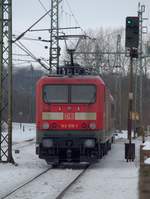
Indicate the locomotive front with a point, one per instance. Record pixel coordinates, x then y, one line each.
70 118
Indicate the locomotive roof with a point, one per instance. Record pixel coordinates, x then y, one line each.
91 78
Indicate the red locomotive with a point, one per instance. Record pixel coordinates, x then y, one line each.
74 118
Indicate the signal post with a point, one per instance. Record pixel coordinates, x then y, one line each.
131 44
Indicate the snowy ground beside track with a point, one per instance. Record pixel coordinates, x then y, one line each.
23 131
110 178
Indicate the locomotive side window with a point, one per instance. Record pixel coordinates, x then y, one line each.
83 94
55 94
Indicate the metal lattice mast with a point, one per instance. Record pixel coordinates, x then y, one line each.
54 33
118 83
6 81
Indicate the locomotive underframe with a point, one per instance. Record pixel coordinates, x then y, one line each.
70 146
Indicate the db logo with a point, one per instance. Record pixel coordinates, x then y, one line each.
68 116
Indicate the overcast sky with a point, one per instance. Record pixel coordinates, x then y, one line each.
96 13
90 14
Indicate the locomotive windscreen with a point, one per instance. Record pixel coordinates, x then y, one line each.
55 94
83 93
69 93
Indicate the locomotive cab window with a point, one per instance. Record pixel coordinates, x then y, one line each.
83 94
69 94
55 94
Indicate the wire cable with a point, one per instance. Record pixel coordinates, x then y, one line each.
22 34
33 39
22 47
75 17
42 5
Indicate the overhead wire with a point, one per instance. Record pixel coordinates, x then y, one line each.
24 60
75 17
22 47
43 6
22 55
33 39
36 22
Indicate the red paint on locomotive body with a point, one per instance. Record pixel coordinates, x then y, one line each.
71 116
74 118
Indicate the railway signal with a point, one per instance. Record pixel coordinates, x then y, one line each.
131 43
132 32
130 147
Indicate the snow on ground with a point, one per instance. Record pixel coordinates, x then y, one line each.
48 185
146 145
28 164
111 178
120 135
22 132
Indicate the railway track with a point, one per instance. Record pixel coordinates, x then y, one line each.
66 189
18 191
24 184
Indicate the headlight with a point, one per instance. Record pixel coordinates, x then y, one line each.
47 143
89 143
45 125
92 125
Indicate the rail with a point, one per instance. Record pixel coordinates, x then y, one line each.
66 189
24 184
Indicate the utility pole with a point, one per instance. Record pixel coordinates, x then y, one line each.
6 81
54 33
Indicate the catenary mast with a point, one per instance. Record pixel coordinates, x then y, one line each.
54 33
6 81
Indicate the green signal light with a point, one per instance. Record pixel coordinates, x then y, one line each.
129 22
